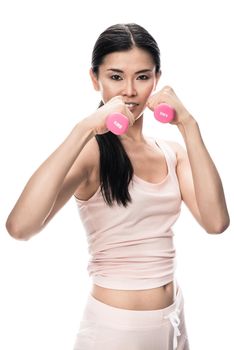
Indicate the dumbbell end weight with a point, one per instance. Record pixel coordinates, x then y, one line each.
164 113
117 123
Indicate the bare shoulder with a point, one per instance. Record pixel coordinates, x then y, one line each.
179 150
88 158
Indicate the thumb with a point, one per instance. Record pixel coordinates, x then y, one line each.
130 116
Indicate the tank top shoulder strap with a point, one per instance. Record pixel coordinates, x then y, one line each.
171 158
168 152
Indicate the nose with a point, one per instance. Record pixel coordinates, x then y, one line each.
129 88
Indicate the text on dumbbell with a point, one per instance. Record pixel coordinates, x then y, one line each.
118 124
163 114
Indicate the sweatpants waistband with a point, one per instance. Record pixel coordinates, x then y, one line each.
108 315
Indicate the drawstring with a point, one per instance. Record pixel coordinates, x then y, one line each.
175 321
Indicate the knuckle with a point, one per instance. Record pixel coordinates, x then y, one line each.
167 88
119 98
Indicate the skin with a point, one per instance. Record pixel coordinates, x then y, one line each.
73 168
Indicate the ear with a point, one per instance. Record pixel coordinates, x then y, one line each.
158 75
94 79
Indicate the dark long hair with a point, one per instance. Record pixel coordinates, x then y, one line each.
116 170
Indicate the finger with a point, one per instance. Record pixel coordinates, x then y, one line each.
165 95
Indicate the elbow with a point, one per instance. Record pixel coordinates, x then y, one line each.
14 231
17 232
219 227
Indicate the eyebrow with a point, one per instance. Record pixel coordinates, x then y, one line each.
138 72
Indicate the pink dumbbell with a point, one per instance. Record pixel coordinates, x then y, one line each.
118 124
164 113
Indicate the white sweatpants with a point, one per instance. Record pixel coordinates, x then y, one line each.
105 327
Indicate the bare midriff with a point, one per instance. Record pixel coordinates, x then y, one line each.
147 299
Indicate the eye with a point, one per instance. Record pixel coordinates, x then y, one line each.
116 77
143 77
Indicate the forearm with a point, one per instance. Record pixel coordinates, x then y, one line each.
207 183
41 190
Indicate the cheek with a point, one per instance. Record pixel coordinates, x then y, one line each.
108 90
147 90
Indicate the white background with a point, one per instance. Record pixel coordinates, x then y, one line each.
45 90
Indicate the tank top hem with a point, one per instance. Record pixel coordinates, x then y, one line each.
127 284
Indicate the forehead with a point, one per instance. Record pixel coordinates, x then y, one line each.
133 59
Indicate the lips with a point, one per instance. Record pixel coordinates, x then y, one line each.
131 104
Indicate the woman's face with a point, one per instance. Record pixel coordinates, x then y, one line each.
130 74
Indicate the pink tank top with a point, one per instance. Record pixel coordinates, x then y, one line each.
132 248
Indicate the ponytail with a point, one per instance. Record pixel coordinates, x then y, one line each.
116 170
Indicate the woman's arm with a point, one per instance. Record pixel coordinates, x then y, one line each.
41 191
56 180
200 183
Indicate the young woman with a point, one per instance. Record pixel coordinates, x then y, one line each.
129 190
